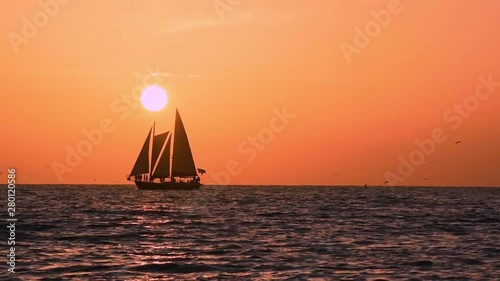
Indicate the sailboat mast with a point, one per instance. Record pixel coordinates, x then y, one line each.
172 153
151 153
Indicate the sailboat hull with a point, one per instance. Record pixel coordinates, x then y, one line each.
144 185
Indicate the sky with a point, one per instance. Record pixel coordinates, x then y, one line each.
282 93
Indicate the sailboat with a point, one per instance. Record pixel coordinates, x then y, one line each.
154 169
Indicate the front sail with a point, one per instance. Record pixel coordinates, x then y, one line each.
158 142
163 168
142 164
182 158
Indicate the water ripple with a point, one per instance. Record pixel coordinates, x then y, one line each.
257 233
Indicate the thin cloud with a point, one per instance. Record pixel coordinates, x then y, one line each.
190 25
99 74
264 18
85 73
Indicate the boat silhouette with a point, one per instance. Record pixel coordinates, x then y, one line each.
154 169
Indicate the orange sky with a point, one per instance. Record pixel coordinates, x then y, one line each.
231 69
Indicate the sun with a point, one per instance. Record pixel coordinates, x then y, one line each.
154 98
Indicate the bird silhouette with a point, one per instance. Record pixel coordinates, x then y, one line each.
458 142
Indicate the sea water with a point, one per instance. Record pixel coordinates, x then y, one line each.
99 232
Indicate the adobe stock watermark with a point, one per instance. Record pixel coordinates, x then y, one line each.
92 138
363 36
31 26
453 116
224 6
253 145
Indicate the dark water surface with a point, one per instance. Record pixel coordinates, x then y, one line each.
256 233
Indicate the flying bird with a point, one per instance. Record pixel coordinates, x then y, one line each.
458 142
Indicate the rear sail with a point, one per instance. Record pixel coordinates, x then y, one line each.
163 168
182 158
142 163
158 143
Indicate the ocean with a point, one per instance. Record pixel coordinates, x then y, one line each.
112 232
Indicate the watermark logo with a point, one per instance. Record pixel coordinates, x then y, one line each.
222 7
11 210
253 145
32 25
453 116
94 137
363 36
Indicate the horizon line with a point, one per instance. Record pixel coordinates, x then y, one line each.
283 185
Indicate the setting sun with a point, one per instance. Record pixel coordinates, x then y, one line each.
154 98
